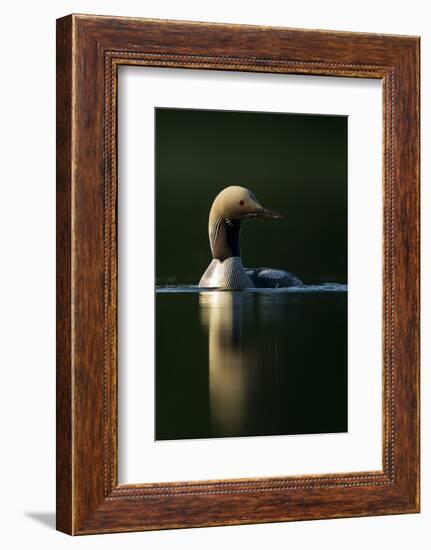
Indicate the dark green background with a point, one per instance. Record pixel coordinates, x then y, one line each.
295 164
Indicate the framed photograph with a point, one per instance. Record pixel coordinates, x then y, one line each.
237 274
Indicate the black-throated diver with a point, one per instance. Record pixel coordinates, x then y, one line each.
230 208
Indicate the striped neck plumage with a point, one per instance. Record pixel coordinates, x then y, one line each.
224 236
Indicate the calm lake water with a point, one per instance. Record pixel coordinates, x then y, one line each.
250 363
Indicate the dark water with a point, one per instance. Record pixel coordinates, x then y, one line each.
249 363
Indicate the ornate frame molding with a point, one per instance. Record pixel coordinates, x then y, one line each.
90 49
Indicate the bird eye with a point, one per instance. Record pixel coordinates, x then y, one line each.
241 202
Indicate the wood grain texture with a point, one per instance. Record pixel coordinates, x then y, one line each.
90 49
64 496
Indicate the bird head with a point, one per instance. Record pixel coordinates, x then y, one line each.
236 204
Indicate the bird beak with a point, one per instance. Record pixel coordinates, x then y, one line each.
266 213
261 212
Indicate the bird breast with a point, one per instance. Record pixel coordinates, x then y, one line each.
229 274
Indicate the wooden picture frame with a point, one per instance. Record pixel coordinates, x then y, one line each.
89 51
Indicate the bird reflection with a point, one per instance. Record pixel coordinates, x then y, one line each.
232 364
259 362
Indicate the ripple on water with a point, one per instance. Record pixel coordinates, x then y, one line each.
311 289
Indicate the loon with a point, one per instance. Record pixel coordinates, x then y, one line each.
230 208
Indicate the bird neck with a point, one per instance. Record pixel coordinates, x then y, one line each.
224 238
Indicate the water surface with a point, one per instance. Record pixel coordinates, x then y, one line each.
250 363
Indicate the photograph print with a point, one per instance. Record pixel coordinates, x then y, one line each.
251 274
